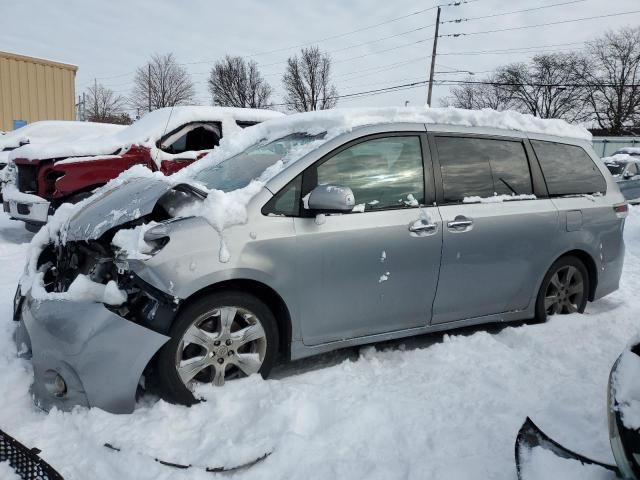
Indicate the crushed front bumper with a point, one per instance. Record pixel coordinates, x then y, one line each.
83 354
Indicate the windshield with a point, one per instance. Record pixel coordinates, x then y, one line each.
238 171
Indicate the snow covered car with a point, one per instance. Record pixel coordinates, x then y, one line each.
624 165
165 140
311 233
538 456
47 131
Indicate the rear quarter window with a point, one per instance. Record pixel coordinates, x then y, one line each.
568 169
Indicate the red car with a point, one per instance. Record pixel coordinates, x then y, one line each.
166 139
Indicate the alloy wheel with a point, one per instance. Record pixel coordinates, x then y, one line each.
565 291
223 344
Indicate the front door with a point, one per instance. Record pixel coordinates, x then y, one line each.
374 270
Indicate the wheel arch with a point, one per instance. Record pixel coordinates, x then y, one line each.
589 264
262 291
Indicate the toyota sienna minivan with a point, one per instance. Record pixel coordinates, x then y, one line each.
310 233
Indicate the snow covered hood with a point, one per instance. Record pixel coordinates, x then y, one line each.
111 207
146 131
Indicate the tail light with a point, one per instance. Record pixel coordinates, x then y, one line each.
621 209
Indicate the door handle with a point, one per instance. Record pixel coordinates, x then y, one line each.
423 227
460 224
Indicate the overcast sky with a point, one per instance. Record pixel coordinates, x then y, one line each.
107 40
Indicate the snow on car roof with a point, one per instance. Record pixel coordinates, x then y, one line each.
630 150
621 158
338 121
148 130
51 130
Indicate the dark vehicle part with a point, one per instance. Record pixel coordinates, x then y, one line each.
625 441
25 461
530 436
234 468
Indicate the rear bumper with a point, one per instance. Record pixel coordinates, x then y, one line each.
99 355
32 211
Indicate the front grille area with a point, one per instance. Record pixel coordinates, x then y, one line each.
28 178
25 462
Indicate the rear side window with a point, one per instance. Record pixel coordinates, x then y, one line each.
568 169
482 167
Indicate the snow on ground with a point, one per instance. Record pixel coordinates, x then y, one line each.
438 406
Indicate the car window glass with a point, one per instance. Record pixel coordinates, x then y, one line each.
482 167
632 169
382 173
203 137
568 169
286 202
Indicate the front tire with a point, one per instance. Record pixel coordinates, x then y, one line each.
219 337
564 289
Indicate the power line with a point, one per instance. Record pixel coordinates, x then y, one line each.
459 20
511 50
464 34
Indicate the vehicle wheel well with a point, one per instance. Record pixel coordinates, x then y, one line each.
590 264
265 293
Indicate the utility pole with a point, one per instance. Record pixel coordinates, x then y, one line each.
433 58
149 87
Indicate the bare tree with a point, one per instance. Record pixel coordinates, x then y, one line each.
104 105
475 95
613 75
234 82
307 81
548 87
167 83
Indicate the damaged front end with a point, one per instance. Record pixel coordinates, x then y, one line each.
92 325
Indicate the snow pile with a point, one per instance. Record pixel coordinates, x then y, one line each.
146 131
131 241
542 464
626 384
435 406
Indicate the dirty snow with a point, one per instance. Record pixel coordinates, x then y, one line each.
438 406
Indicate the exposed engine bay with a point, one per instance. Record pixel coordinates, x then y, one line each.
101 262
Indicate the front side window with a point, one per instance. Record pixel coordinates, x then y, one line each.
568 169
482 167
383 173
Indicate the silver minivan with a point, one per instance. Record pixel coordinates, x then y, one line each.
308 234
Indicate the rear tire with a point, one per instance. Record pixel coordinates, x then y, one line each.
564 289
220 336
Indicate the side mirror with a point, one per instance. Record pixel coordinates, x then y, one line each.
627 175
330 199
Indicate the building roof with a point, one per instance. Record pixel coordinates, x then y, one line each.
40 61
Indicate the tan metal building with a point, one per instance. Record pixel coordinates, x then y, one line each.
34 89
